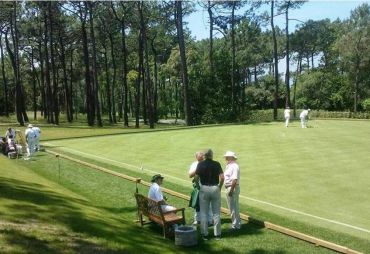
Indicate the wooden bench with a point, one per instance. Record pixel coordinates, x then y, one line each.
152 209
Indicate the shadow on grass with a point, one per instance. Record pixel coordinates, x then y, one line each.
262 251
26 243
33 203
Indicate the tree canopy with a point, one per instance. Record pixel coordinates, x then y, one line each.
115 61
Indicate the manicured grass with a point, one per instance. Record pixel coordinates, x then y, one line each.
278 165
320 171
86 211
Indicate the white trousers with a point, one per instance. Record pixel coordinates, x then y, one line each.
210 195
30 147
287 121
210 219
233 204
303 122
167 208
37 144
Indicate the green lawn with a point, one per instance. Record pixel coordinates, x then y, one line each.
317 175
86 211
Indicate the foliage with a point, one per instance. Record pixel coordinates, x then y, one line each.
323 90
338 81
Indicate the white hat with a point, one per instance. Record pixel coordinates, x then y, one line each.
230 154
30 126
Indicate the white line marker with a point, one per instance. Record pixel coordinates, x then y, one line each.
307 214
252 199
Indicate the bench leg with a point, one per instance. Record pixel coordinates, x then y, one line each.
164 231
141 219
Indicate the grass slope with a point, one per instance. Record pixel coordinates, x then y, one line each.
85 211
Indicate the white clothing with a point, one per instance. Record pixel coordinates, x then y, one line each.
10 133
30 137
304 116
232 172
287 116
193 167
37 132
210 195
155 193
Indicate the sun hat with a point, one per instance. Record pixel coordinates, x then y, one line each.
30 126
230 154
155 177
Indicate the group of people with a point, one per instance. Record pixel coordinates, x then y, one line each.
9 146
7 143
209 178
303 116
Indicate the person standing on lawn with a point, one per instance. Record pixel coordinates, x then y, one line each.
30 138
211 177
37 132
232 180
199 156
304 117
287 116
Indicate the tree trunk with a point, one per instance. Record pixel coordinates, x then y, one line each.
233 88
113 96
155 82
5 81
90 100
210 52
184 69
107 81
49 99
355 94
138 81
295 85
276 71
287 72
20 107
95 68
125 92
55 90
125 87
71 85
147 90
42 77
34 75
67 92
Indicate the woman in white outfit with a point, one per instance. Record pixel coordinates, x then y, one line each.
287 116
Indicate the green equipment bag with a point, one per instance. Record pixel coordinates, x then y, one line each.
194 197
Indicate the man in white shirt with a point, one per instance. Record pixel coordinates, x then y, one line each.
304 117
37 132
155 193
232 179
30 138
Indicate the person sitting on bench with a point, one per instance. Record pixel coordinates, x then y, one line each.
155 193
10 134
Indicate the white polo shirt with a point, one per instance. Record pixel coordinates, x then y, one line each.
231 173
155 192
